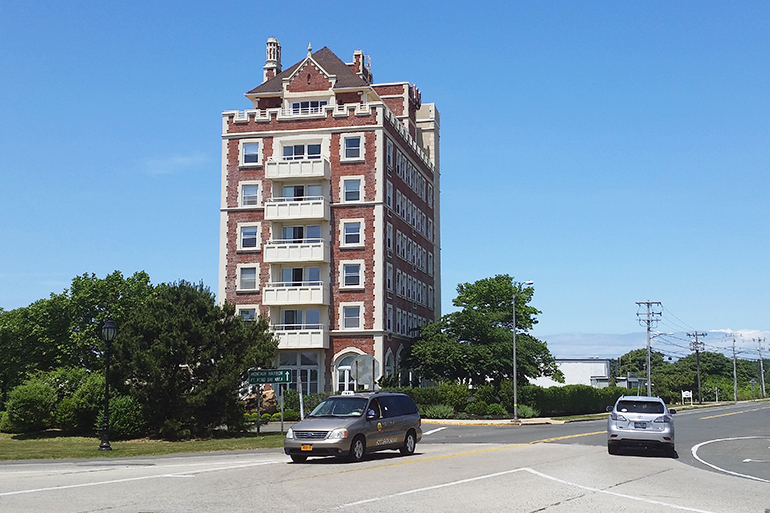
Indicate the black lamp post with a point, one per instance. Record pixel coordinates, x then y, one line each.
109 330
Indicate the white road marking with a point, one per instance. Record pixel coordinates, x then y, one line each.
189 473
433 431
695 455
523 469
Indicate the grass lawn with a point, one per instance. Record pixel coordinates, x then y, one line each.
51 445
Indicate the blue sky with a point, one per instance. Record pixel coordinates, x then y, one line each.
613 152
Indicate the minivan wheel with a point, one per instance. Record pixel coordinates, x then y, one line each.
357 449
298 458
409 444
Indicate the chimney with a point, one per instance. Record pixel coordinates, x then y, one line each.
273 61
361 66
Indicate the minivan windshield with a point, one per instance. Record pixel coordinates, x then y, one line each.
340 407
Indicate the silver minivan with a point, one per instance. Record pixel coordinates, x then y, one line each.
354 424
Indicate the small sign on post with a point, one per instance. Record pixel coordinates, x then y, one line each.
266 376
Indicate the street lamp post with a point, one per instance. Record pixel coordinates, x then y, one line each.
515 377
109 330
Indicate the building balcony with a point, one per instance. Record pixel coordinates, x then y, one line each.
301 336
295 293
284 170
291 250
291 209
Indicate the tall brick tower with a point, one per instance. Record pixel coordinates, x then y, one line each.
330 217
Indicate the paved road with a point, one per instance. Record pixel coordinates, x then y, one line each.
454 469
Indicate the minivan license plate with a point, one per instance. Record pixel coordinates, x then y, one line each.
637 425
306 447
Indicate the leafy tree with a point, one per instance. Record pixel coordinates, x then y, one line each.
475 343
65 329
182 357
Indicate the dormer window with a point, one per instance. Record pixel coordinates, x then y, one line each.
308 107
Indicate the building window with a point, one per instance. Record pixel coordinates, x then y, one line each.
352 275
389 195
301 234
305 369
247 314
308 107
389 237
352 147
248 236
302 152
389 153
250 152
430 230
390 277
351 190
247 278
351 316
249 194
352 233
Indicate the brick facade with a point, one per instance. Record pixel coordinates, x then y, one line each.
309 219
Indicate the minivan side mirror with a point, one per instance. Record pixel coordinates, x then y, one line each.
609 408
371 415
672 411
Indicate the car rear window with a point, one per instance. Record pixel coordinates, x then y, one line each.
640 406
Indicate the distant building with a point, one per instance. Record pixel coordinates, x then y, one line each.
593 372
330 221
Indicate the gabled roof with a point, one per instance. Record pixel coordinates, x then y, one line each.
325 59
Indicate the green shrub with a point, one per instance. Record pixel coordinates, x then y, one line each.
485 393
290 415
477 408
527 412
31 406
439 411
5 424
462 416
266 418
127 419
453 394
250 417
496 410
84 409
275 417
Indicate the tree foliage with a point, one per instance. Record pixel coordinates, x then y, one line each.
476 343
178 355
182 357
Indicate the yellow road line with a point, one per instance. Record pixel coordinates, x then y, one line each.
733 413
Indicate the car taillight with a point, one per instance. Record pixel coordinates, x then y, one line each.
615 416
663 419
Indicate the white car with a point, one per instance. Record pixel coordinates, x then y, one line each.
640 421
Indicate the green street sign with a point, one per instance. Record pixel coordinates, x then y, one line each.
264 376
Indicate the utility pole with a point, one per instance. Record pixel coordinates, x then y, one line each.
761 366
697 347
649 318
735 374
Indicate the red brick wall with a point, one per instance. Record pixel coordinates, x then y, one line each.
309 78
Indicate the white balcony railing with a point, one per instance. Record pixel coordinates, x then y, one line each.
292 250
298 169
301 336
296 208
295 293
